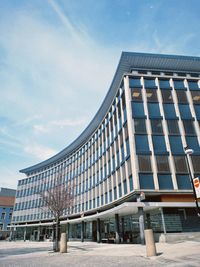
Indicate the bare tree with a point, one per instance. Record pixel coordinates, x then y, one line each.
57 199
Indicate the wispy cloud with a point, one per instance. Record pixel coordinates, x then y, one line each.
65 20
39 152
58 124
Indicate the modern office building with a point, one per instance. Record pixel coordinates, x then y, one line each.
7 201
129 165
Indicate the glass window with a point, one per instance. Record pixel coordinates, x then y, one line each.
165 181
136 94
154 110
195 97
120 189
115 192
140 125
142 144
125 187
131 182
137 110
134 82
179 85
144 162
162 163
173 127
185 112
195 163
193 85
151 95
183 181
176 145
192 143
167 96
159 144
197 111
156 126
189 127
170 112
146 181
180 164
164 84
127 148
182 97
150 83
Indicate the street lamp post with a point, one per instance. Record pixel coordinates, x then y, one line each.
189 152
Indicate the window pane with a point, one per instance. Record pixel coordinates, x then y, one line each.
170 112
195 97
182 97
136 94
189 127
179 85
173 127
151 95
185 112
125 187
154 110
156 126
193 85
180 164
137 110
164 84
165 181
197 111
159 144
142 145
176 145
192 143
144 163
167 96
196 163
134 82
140 126
162 164
131 182
146 181
150 83
183 181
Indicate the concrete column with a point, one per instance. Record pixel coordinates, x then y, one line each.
150 243
141 224
123 229
163 220
24 234
38 235
98 231
68 230
63 243
117 240
82 231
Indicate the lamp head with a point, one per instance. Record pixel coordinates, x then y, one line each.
189 151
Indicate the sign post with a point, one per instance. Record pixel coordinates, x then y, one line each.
196 183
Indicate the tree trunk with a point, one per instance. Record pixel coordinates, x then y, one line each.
57 234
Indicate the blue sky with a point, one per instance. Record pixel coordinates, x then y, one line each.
57 61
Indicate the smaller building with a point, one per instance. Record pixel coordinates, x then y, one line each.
7 200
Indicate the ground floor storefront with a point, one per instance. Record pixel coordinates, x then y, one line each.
122 224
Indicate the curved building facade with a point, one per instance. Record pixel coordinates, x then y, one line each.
128 166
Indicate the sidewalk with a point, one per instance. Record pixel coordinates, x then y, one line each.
184 253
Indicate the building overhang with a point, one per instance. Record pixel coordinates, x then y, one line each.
127 208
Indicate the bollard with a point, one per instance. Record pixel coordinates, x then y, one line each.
63 243
150 243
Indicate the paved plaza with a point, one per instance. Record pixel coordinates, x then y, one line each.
40 254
